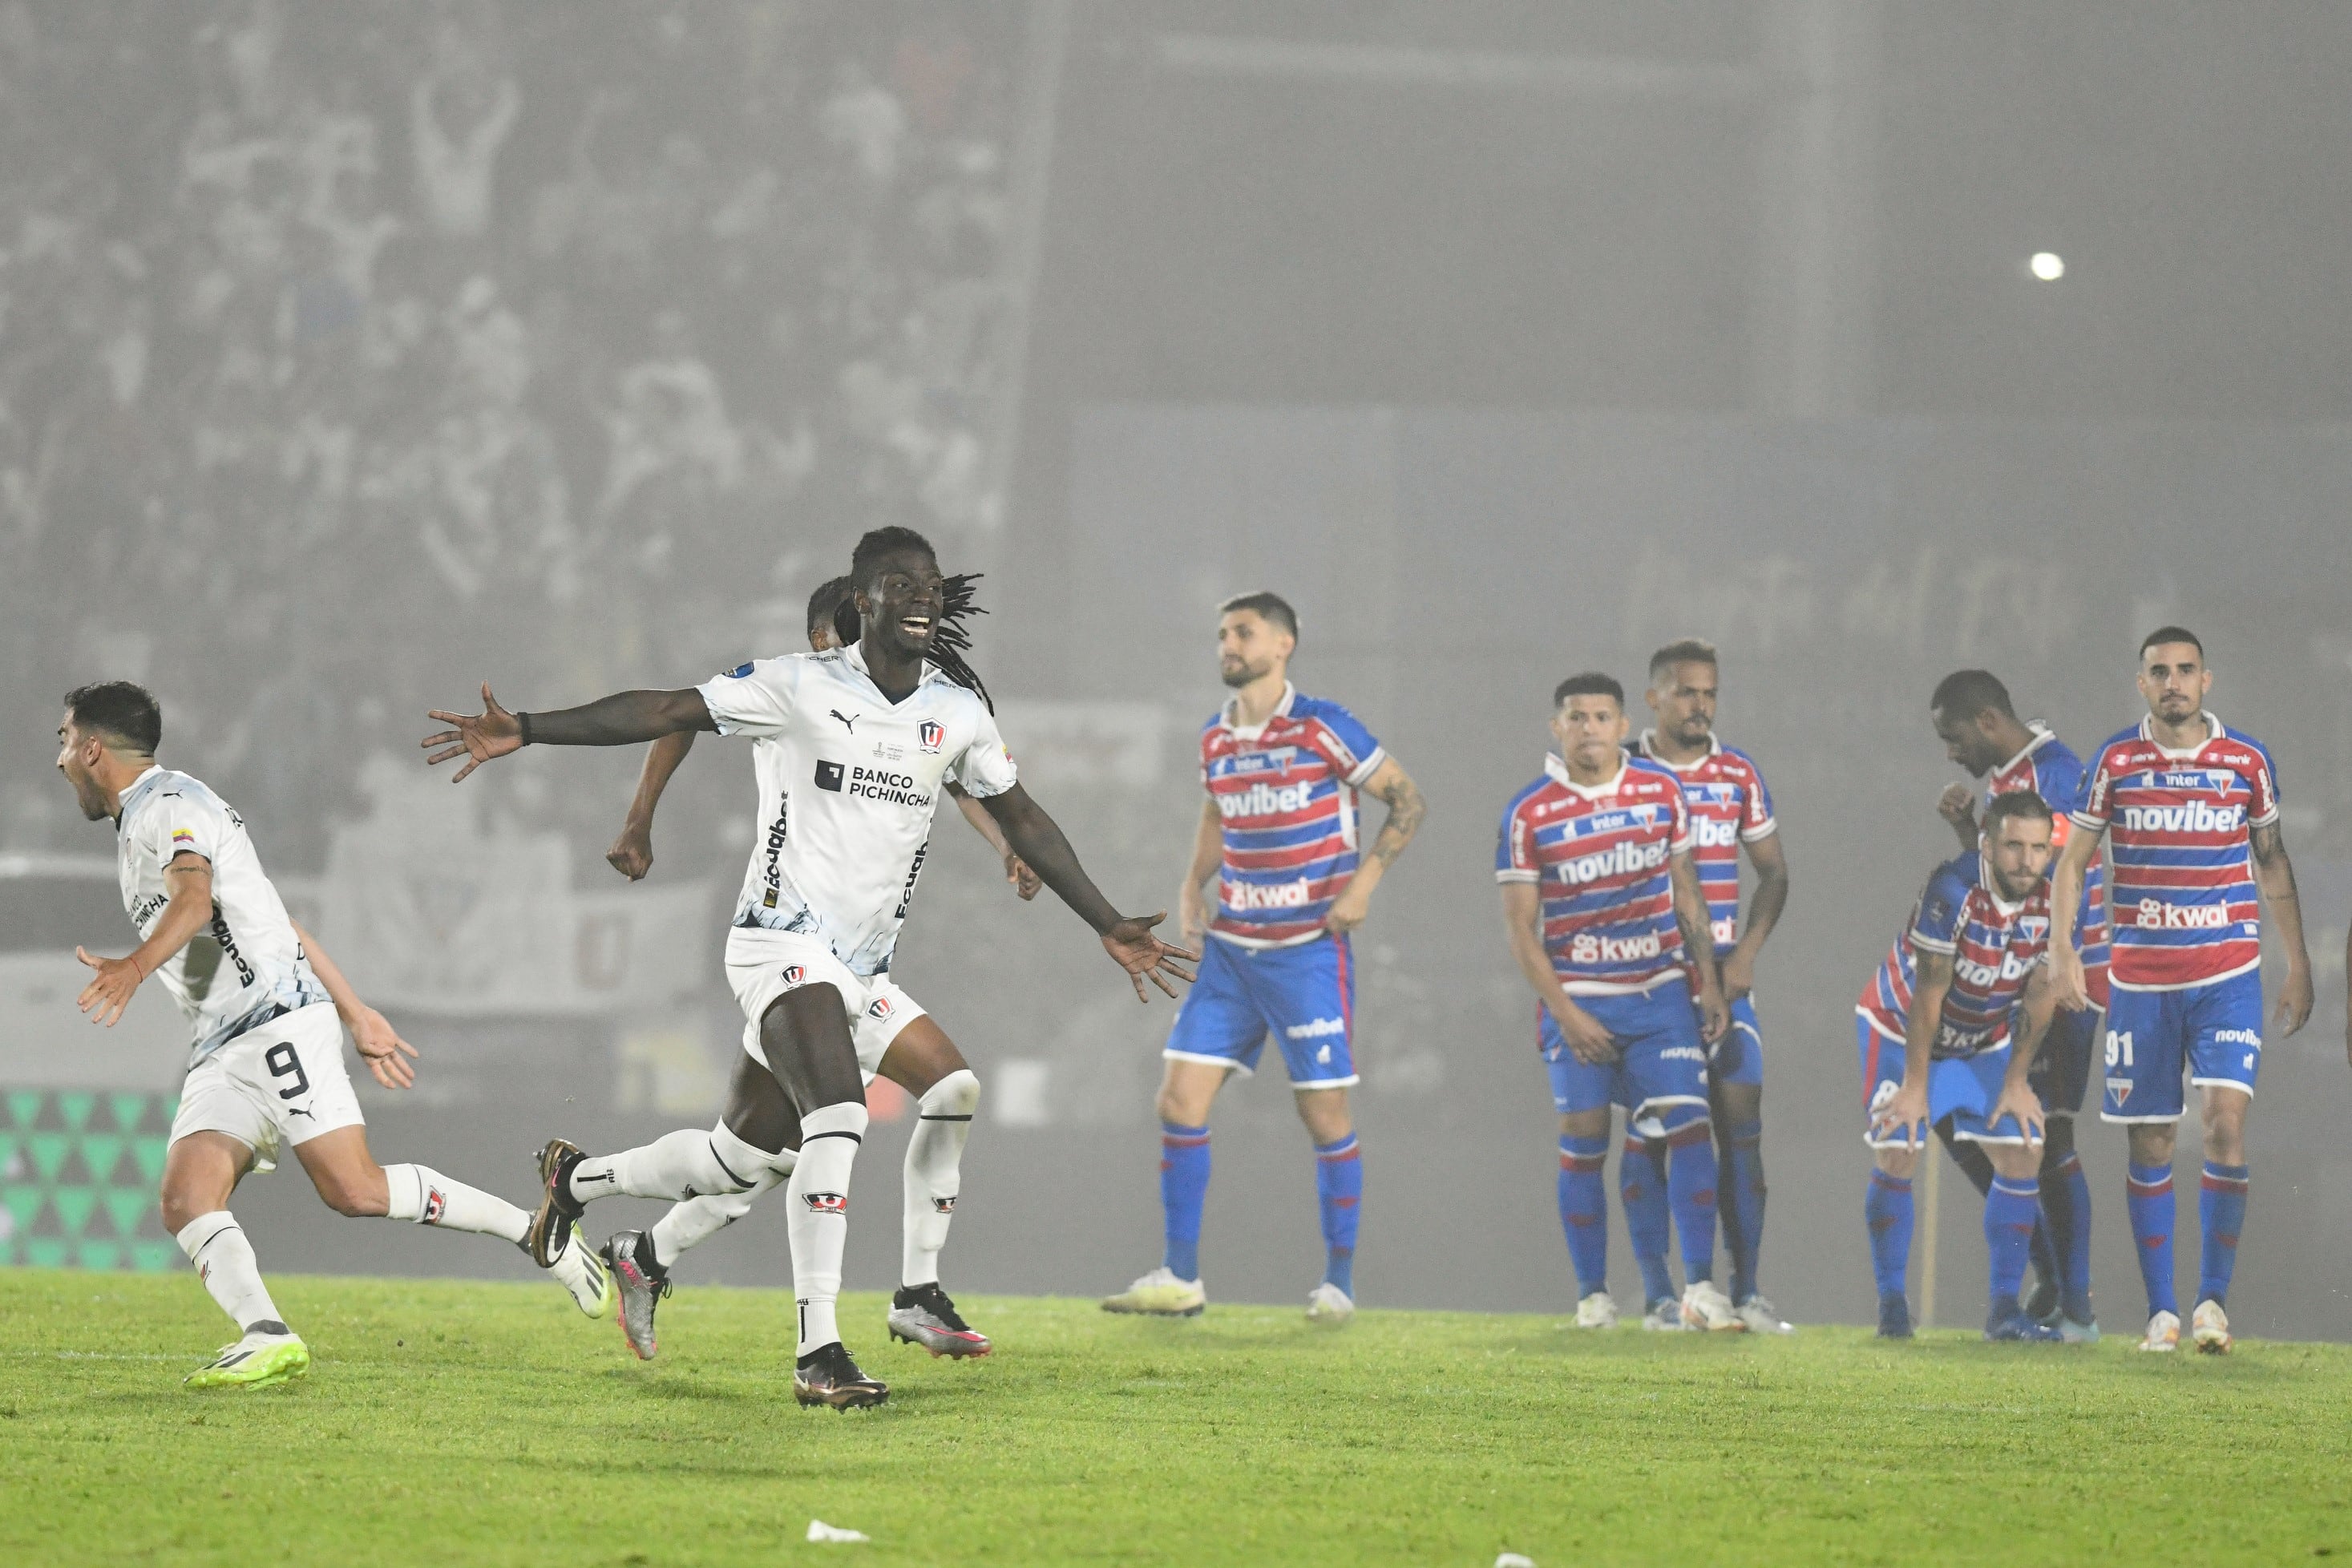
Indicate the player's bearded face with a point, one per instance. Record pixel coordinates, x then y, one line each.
2020 855
2174 680
1965 743
73 760
1249 648
1684 704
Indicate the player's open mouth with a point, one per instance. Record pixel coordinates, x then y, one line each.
916 626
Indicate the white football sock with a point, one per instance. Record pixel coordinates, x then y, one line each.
696 1220
934 1173
423 1194
679 1165
818 1220
225 1262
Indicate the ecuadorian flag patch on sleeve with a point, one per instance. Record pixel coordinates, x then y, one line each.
182 836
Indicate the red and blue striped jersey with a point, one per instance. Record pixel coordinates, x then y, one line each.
1994 946
1723 793
2049 767
1599 856
2181 876
1287 795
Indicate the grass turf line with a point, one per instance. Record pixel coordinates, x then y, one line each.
470 1423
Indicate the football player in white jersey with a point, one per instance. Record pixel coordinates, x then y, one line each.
919 1057
266 1065
852 748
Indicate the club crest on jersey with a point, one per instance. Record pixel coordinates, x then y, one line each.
829 1203
944 1206
880 1009
435 1203
932 734
793 974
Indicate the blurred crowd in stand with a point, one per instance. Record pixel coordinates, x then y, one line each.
350 353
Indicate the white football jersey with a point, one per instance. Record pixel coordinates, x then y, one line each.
848 781
248 966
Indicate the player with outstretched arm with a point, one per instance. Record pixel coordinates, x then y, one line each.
851 747
2190 811
266 1065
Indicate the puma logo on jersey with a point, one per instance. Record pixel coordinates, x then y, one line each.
848 722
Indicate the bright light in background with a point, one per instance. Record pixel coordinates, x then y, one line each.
2047 265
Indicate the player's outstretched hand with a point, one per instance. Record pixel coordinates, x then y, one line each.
2019 1099
1026 882
2295 1001
110 992
379 1046
1145 956
632 854
479 737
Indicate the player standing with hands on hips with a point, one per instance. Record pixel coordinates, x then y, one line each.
1278 831
2191 808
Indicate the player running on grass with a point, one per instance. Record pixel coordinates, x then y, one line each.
1608 922
266 1069
1982 733
1729 807
1278 830
2191 808
714 1192
851 748
1947 1030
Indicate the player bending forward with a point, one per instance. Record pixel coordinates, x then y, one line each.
262 998
1935 1030
918 1056
1278 830
1607 922
2191 809
851 748
1729 807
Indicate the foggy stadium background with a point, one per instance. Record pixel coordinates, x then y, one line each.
352 354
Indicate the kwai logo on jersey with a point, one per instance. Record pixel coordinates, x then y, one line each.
1263 799
2189 816
2155 914
1621 860
1589 947
1266 895
931 734
1726 931
829 1203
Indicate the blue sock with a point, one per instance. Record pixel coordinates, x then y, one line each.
1183 1188
1743 1205
1338 1190
2221 1214
2078 1237
2009 1213
1584 1210
1642 1185
2149 1196
1887 1209
1690 1190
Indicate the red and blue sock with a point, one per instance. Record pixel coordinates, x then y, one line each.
1691 1173
2147 1190
1338 1192
2220 1215
1584 1210
2010 1207
1743 1204
1886 1208
1183 1190
1649 1224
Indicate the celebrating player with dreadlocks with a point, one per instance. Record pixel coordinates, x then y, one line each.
852 747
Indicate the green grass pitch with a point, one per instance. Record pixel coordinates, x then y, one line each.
464 1423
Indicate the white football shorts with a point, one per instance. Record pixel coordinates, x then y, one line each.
277 1084
763 964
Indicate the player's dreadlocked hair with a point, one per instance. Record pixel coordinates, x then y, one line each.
952 639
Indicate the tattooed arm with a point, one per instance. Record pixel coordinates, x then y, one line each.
2275 876
1406 808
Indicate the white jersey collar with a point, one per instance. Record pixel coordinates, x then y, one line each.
1714 750
1556 767
853 655
137 787
2213 731
2042 735
1230 715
